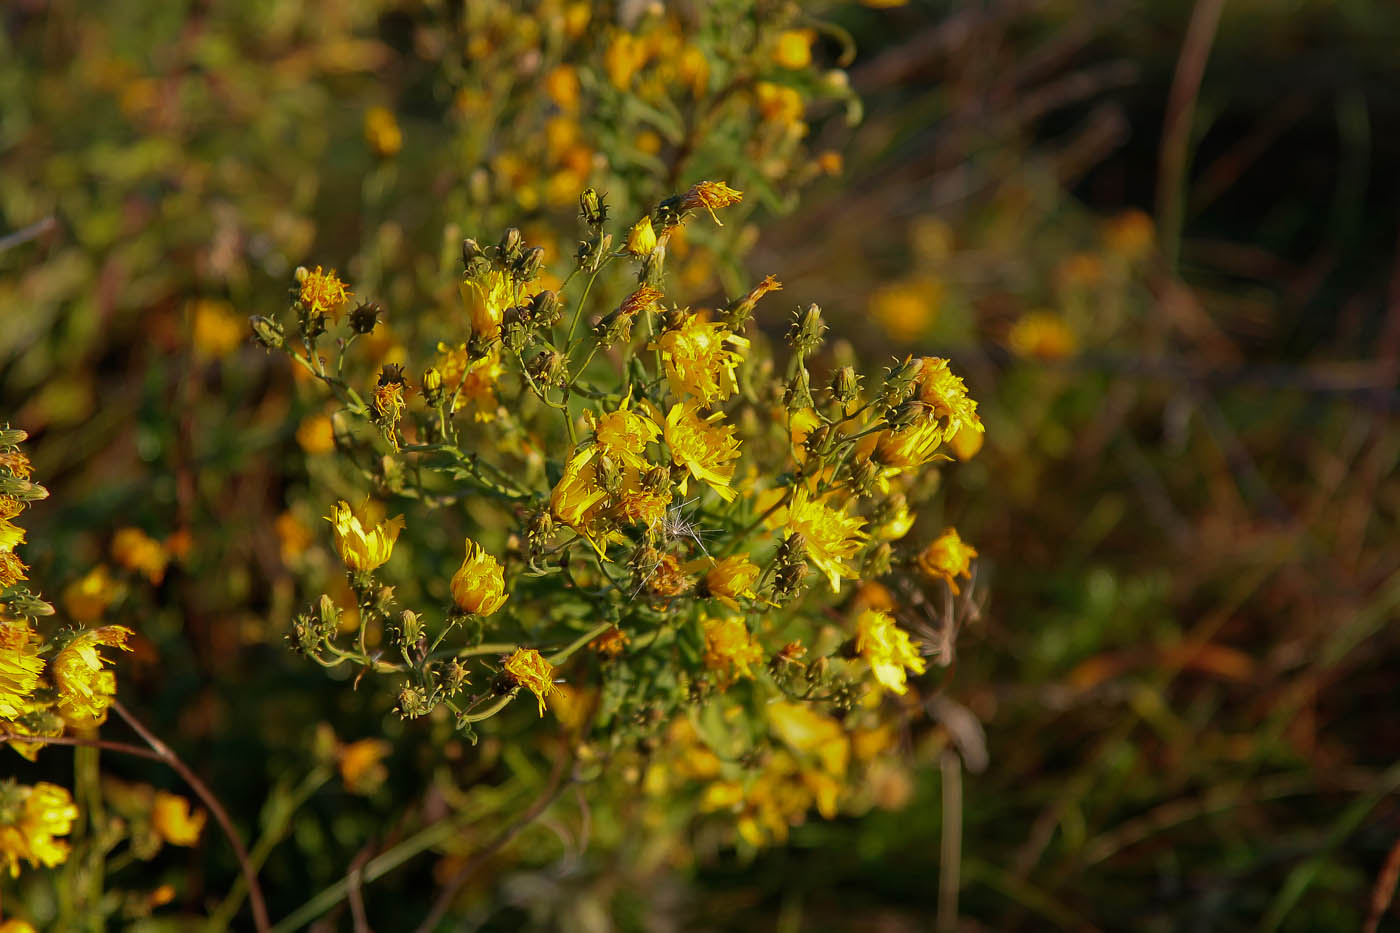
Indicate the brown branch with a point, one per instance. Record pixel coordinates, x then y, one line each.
166 754
121 747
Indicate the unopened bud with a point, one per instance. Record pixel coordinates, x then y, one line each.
641 240
511 247
267 332
471 252
593 208
845 385
432 386
805 334
529 264
546 309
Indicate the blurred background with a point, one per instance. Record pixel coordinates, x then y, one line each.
1159 239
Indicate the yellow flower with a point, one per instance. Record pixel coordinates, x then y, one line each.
794 49
948 556
1130 234
87 598
710 195
137 551
12 569
324 293
362 549
216 329
831 535
643 504
611 643
382 132
14 925
85 686
361 764
780 104
1041 335
468 380
316 434
479 586
701 358
729 648
16 463
11 535
577 493
704 446
641 241
947 410
728 579
562 86
487 296
527 668
888 650
173 820
10 507
30 818
623 58
907 309
20 667
624 435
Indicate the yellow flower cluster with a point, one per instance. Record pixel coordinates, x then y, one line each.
31 820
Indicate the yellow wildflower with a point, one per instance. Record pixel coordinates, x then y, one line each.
701 358
137 551
1041 335
324 293
562 86
362 549
947 557
832 536
705 446
85 686
611 643
361 764
794 48
10 507
527 668
216 329
487 296
780 104
641 241
624 435
729 648
316 434
578 500
728 579
888 650
382 132
174 821
947 410
15 925
623 58
16 463
710 195
906 309
87 598
11 535
640 503
468 380
30 818
20 666
12 569
1131 234
479 586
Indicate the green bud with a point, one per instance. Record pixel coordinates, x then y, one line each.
471 252
805 334
267 332
432 386
593 208
546 309
10 437
511 248
529 264
845 385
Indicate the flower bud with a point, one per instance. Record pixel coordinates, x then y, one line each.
432 386
471 252
845 385
877 562
546 309
593 208
805 334
364 316
547 367
798 394
641 240
268 332
529 264
511 247
609 475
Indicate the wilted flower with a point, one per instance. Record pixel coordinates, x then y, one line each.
85 686
324 293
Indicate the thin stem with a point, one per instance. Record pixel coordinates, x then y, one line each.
166 754
562 655
449 890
